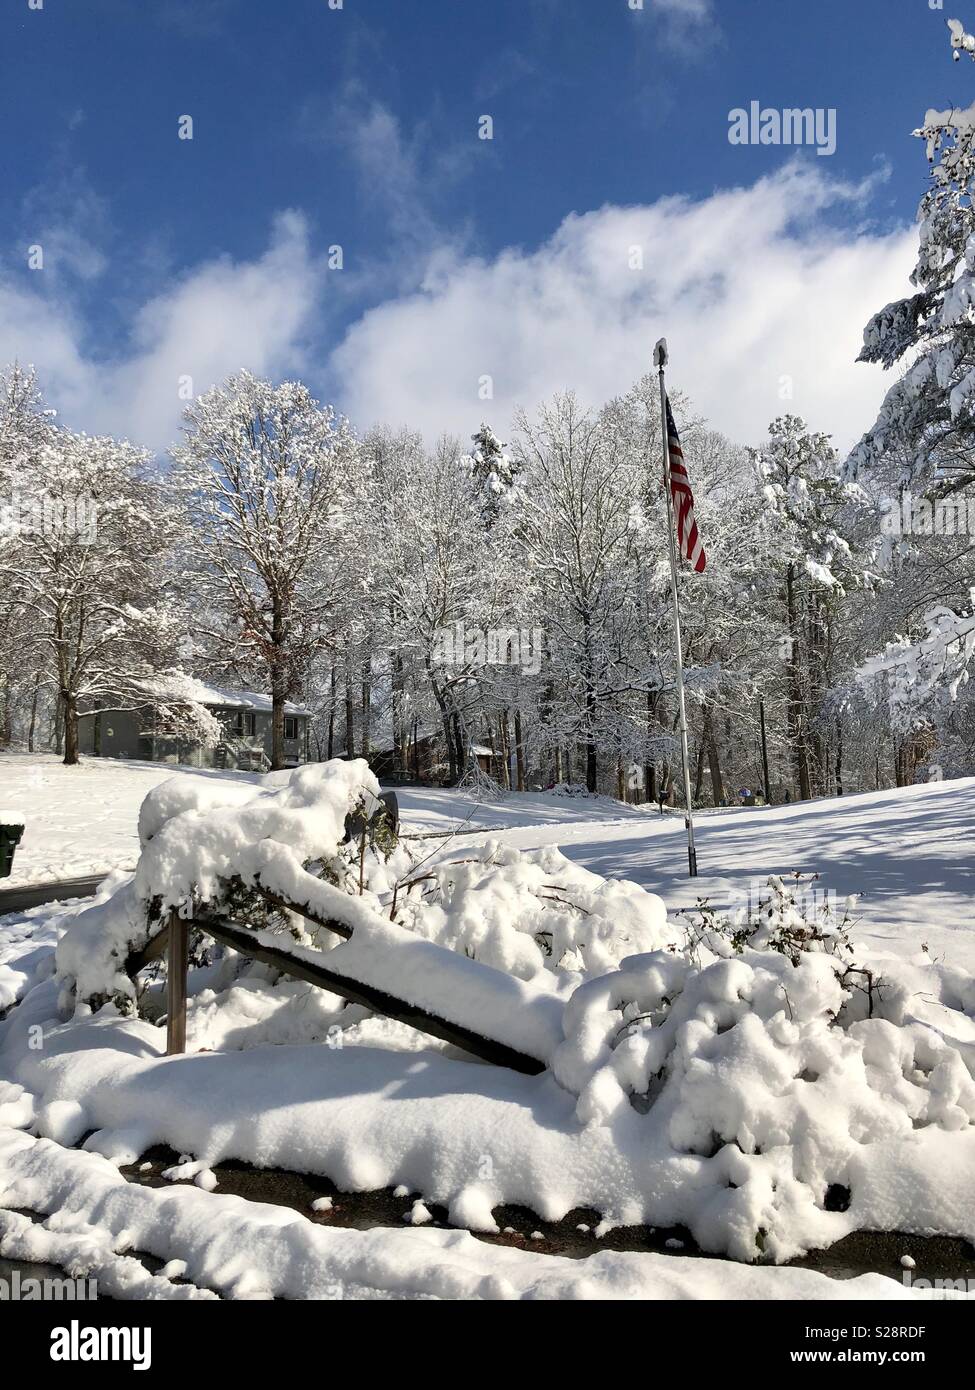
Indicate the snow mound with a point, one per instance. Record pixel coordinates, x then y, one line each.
768 1076
199 837
529 911
196 839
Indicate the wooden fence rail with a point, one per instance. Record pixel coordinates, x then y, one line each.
174 939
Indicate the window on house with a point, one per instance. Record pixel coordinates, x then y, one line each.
290 726
251 725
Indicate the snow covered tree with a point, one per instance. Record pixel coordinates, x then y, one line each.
441 585
577 538
85 565
808 523
268 480
923 442
494 472
26 427
930 410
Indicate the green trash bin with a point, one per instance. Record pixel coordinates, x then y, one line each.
9 840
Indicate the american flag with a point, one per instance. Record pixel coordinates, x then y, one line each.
688 540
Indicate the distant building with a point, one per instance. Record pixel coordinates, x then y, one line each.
424 757
245 716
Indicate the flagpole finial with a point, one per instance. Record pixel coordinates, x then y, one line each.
660 353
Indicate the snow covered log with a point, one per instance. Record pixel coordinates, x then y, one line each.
503 1006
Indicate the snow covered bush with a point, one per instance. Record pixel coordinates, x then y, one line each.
524 912
742 1074
767 1063
213 845
789 915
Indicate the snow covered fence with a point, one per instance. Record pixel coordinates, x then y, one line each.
425 986
200 854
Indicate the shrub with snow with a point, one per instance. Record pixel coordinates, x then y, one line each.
527 911
207 842
767 1063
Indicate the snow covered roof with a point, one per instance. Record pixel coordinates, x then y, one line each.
245 699
176 685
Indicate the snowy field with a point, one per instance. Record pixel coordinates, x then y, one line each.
908 854
280 1075
79 820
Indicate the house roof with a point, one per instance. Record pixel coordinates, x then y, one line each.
222 698
176 685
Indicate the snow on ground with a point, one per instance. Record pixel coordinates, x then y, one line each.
431 809
245 1249
79 820
379 1105
909 853
27 942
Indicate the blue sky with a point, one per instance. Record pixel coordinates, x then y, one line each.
464 259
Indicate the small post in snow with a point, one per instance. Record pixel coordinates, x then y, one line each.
660 359
178 965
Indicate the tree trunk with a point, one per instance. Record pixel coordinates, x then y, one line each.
396 686
448 735
504 750
332 688
70 729
366 729
279 689
591 750
766 782
349 711
519 752
461 744
796 703
649 770
6 713
33 714
714 766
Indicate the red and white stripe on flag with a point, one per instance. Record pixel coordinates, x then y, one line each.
688 540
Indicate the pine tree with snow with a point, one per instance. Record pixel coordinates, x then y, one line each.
930 411
494 472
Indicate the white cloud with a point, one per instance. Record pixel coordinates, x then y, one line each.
691 9
221 316
684 24
752 286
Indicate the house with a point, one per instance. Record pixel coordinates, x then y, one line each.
245 716
424 757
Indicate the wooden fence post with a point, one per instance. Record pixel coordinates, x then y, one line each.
178 967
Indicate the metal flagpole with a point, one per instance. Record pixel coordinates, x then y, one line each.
660 357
